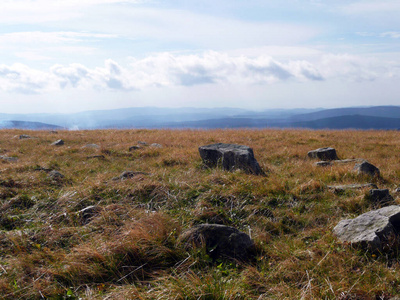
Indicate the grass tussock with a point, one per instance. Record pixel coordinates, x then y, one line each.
94 234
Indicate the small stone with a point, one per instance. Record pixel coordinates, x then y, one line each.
133 148
367 169
230 157
88 213
142 143
96 156
340 188
58 143
323 163
9 159
129 174
55 175
92 146
220 241
24 136
326 153
155 145
381 197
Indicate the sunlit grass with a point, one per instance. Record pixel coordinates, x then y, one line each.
92 237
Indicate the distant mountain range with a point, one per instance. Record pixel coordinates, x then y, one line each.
376 117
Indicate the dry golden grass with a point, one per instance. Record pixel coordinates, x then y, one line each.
91 237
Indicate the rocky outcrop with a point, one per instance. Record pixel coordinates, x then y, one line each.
367 169
371 229
323 154
230 157
220 241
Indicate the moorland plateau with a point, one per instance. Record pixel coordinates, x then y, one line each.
86 233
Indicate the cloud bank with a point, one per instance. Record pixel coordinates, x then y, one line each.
166 69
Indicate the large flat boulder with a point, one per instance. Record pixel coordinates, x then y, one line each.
220 241
371 229
326 153
230 157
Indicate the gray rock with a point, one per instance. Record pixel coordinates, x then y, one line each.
55 175
133 148
380 196
88 213
96 156
371 229
129 174
58 143
220 241
142 143
24 136
323 154
346 161
339 188
323 163
92 146
155 145
230 157
366 168
9 159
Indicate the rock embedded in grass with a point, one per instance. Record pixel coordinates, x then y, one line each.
230 157
371 229
129 174
340 188
326 153
366 168
155 145
220 241
380 197
58 143
55 175
94 146
133 148
24 136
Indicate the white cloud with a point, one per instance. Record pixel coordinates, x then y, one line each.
391 34
39 37
373 7
211 68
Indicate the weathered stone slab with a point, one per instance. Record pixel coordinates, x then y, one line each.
338 188
370 229
230 157
325 163
219 240
326 153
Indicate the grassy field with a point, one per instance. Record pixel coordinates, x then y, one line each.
87 236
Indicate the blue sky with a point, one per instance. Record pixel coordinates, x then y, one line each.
75 55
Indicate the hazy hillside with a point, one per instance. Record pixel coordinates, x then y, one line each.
9 124
380 117
351 122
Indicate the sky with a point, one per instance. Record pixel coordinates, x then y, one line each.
77 55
